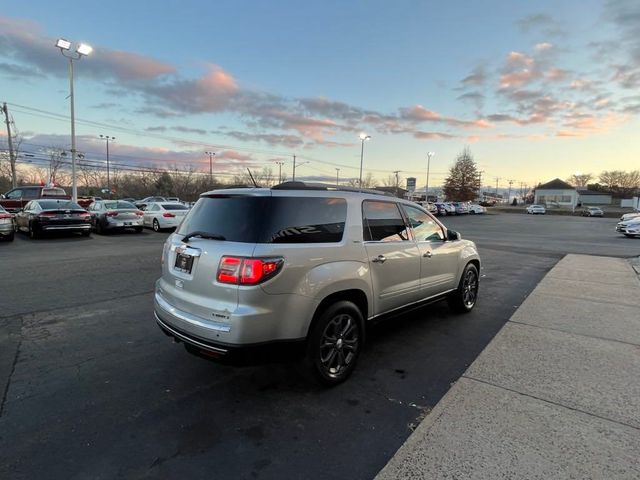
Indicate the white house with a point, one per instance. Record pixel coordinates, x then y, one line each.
590 197
556 193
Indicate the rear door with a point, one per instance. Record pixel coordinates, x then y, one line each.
394 258
438 259
13 201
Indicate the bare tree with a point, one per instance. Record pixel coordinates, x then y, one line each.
580 180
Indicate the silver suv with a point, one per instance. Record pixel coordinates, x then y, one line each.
257 270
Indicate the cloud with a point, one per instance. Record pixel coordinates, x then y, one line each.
198 131
19 72
476 78
475 98
291 141
541 22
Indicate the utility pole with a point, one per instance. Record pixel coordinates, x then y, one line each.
396 172
280 171
337 177
480 183
107 138
497 181
509 195
294 168
211 155
12 155
426 187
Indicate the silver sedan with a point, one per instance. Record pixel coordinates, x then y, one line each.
109 215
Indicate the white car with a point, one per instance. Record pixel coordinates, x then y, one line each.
475 208
536 210
161 215
629 228
629 216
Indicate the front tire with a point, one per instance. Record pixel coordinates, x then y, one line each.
464 298
334 343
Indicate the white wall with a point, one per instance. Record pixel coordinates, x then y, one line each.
542 196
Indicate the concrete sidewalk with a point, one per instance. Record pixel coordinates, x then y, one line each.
556 394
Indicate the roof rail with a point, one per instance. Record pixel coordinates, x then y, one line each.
327 187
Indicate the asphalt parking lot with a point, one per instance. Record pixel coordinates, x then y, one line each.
92 389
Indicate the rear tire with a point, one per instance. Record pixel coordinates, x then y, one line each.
334 343
86 233
138 229
156 225
464 298
33 233
10 237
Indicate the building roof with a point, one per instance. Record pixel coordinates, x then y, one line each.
555 184
592 192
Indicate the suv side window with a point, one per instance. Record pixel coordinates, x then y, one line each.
30 192
383 222
425 228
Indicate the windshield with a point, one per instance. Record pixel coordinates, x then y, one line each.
119 205
59 205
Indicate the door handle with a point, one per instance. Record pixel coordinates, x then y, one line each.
427 254
379 259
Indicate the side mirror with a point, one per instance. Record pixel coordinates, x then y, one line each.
452 235
2 195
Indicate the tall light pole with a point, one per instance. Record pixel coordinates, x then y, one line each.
426 188
211 155
107 138
280 164
294 167
363 138
337 177
81 50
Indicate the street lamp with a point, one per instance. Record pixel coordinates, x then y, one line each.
211 155
363 138
81 50
337 177
426 188
107 138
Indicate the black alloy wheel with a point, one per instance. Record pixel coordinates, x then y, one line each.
464 298
335 343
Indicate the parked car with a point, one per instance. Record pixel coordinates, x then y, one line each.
109 215
461 208
173 199
306 268
450 208
441 209
146 201
16 199
475 208
536 210
629 228
629 216
163 215
6 225
592 212
49 215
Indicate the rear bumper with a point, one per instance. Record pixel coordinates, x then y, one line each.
113 225
78 228
6 228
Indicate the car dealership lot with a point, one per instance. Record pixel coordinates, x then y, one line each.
91 388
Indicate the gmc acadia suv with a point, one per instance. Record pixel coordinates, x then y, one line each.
304 265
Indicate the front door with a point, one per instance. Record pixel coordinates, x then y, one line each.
394 258
439 258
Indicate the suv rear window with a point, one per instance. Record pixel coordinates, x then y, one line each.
174 207
269 219
53 192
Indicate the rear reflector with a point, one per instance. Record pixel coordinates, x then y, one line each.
247 271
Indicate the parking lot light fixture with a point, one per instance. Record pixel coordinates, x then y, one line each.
363 138
81 50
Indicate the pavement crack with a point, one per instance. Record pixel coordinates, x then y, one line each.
5 394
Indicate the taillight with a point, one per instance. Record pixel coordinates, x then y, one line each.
84 214
139 213
5 216
47 214
168 215
111 214
247 271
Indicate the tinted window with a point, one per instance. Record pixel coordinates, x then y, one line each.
59 204
30 192
269 219
175 207
53 192
119 205
15 194
304 220
424 226
383 222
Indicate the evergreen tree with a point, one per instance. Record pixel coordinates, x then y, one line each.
463 181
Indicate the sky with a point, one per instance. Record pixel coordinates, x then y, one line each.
536 90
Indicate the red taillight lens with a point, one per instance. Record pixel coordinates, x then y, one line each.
47 214
247 271
168 215
85 214
229 269
4 216
139 213
111 214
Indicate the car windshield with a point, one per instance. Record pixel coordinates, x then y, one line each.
175 206
59 205
119 205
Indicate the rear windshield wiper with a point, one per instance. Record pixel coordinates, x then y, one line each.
207 235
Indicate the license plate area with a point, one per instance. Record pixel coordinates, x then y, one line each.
184 262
